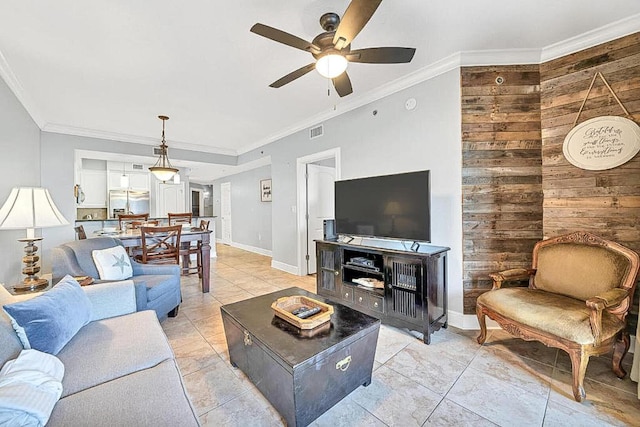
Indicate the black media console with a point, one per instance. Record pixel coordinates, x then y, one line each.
410 286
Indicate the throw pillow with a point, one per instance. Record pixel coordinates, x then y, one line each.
30 386
50 320
113 263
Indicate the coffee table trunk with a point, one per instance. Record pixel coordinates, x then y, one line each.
301 376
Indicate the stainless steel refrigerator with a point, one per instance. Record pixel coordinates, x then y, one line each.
128 202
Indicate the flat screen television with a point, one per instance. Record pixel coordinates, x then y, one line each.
389 206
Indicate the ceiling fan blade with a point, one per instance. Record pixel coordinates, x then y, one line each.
283 37
353 21
293 75
382 55
342 83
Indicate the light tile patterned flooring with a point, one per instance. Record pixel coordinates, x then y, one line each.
451 382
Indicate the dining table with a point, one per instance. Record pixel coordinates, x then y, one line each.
132 238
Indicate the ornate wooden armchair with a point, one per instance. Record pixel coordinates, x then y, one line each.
580 290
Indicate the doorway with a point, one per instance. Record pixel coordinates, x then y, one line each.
316 176
197 202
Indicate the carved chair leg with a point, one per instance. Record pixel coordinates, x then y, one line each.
483 325
620 348
579 362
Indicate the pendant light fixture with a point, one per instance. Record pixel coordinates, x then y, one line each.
124 178
163 169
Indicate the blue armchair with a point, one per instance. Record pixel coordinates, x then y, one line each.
157 286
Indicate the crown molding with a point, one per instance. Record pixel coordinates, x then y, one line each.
478 58
242 167
451 62
431 71
16 87
600 35
135 139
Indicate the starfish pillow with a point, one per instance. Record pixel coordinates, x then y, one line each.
112 263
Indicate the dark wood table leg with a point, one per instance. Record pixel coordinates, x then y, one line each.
185 258
205 253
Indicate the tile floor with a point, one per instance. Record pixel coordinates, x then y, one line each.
452 382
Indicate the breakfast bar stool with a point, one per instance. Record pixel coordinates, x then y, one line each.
180 218
80 233
186 251
131 220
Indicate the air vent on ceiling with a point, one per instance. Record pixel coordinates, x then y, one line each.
157 151
137 167
316 132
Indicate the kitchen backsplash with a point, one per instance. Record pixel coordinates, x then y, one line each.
91 213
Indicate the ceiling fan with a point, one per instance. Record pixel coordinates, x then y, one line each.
332 49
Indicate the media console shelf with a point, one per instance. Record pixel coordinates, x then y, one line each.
413 284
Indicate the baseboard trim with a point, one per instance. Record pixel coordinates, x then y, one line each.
468 321
292 269
250 248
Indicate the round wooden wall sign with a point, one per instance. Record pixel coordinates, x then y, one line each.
602 143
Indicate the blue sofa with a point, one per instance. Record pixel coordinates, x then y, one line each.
157 286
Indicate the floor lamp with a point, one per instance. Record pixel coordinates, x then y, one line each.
30 208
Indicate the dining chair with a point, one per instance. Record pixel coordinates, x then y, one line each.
126 221
80 233
137 224
160 245
180 218
194 248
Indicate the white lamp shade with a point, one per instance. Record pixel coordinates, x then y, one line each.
331 65
30 207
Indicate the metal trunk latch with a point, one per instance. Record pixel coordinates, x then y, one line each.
343 365
247 338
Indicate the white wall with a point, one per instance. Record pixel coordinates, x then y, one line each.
20 161
251 218
393 140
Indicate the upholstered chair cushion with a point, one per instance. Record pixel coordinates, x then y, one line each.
558 315
579 271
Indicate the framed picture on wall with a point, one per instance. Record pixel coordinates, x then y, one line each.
265 190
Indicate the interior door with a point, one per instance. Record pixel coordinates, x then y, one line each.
170 199
225 212
320 206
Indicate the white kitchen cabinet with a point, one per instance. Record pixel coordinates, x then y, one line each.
94 187
137 180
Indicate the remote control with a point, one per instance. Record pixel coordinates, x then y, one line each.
300 310
308 313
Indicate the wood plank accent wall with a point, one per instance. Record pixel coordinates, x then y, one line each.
501 172
607 203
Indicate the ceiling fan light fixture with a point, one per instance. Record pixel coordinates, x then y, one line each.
163 169
331 65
